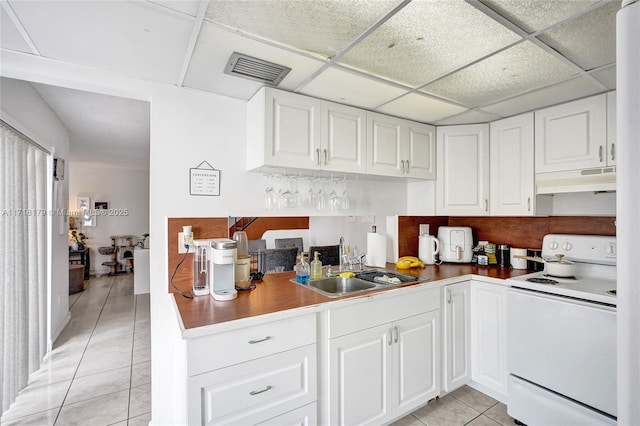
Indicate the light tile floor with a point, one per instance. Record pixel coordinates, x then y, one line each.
99 372
464 406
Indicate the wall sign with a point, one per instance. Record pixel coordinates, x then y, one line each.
204 180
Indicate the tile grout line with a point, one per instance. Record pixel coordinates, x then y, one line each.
84 351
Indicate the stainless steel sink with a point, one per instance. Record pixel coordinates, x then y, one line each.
338 286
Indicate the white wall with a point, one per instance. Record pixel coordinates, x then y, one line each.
23 108
123 189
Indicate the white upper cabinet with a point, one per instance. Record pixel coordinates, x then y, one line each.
343 147
462 185
384 138
612 133
512 157
419 152
397 147
572 136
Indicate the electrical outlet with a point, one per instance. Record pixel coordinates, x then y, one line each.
424 229
367 219
350 219
182 241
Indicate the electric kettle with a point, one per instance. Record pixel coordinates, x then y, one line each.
428 247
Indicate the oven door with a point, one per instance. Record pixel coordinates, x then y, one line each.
565 345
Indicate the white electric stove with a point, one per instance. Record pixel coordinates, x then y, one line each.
595 277
561 337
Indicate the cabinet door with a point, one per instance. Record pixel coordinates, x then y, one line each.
416 361
384 136
360 365
419 151
292 130
344 146
462 186
488 338
571 136
512 158
457 356
612 133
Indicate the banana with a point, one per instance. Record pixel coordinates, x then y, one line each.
406 262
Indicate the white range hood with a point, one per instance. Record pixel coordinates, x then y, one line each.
587 180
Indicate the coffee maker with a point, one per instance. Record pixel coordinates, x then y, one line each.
223 265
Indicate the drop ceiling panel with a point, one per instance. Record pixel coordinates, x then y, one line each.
520 68
132 38
531 15
189 7
427 39
346 87
10 37
576 88
215 46
468 117
322 28
606 76
588 40
420 108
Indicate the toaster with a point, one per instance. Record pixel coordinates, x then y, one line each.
456 244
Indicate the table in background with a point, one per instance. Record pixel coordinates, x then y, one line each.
81 257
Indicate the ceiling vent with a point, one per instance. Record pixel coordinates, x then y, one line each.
256 69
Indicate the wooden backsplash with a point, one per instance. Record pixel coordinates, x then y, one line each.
523 232
216 227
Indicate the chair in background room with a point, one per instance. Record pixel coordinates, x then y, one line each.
255 245
289 242
277 260
329 255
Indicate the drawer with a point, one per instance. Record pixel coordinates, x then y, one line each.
233 347
303 416
381 311
254 391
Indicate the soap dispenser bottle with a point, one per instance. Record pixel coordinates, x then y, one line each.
302 271
316 267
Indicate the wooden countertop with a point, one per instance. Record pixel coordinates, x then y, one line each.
276 293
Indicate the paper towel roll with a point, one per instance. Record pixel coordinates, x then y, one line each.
376 250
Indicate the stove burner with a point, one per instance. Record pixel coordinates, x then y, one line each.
612 292
564 278
542 281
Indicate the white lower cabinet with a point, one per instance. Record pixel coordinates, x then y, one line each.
488 339
457 334
254 374
303 416
385 371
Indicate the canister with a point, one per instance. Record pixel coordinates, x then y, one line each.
503 255
531 265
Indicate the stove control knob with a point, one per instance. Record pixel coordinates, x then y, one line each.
567 246
553 245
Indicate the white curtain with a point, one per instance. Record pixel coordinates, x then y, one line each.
23 261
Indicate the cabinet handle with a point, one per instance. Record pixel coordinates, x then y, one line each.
402 161
613 151
600 152
253 342
325 157
449 296
397 334
529 204
486 205
390 337
318 156
260 391
408 167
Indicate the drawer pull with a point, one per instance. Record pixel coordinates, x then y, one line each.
260 391
253 342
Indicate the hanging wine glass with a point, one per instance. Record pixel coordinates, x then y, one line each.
344 198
